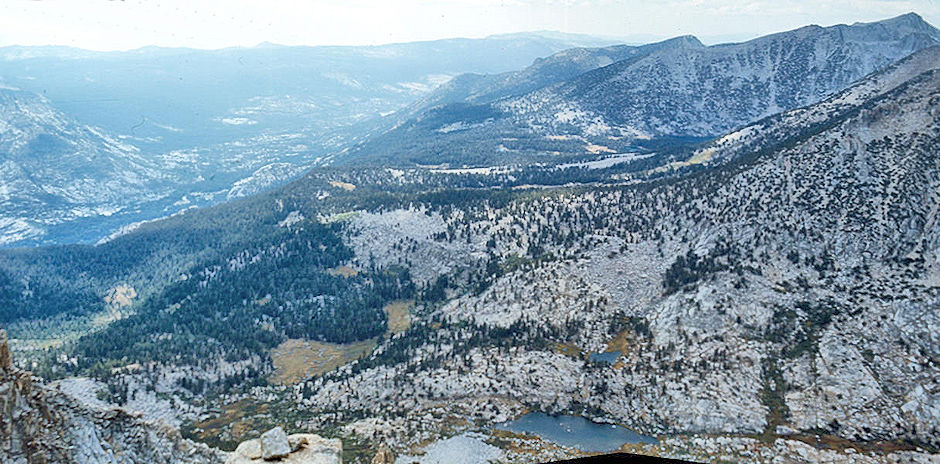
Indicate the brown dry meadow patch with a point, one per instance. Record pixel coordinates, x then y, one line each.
568 349
344 271
399 316
297 359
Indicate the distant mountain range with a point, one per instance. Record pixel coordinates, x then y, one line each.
561 66
94 141
619 99
182 98
689 89
192 128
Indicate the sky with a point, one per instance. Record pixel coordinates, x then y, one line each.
122 25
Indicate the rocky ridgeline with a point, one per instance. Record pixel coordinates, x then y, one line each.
691 89
41 425
609 97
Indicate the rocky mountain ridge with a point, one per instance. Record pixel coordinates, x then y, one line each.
674 90
705 91
561 66
788 127
41 425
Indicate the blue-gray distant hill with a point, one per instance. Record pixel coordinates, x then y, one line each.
188 96
614 99
94 141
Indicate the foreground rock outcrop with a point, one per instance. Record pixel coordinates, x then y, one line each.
39 424
276 446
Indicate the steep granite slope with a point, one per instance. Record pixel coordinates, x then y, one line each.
790 127
42 425
703 91
53 169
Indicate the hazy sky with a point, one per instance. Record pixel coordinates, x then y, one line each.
109 25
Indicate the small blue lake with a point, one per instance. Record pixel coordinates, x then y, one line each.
609 357
575 432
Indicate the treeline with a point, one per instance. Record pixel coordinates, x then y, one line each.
460 337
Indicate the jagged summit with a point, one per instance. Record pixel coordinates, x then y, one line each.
688 40
903 24
908 21
708 90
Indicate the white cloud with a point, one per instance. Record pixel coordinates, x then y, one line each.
238 121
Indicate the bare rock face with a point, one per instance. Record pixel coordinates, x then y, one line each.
276 446
42 425
297 442
384 455
250 449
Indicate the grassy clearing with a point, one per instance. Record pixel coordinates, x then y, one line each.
597 149
27 336
568 349
344 271
621 342
699 157
298 359
235 418
399 316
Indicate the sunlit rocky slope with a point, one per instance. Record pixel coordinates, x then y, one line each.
767 295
